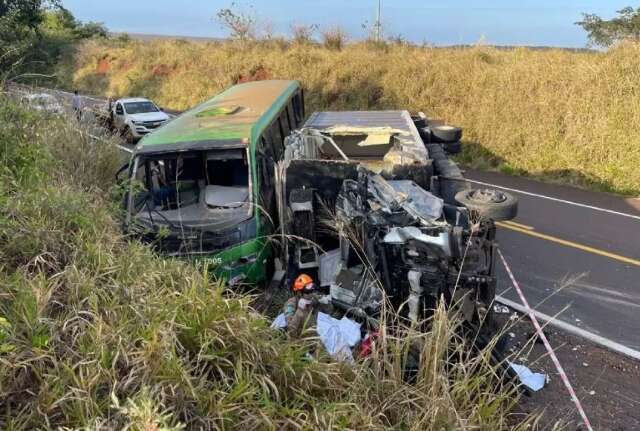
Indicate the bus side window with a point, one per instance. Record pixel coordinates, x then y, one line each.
298 108
276 149
286 124
266 162
266 165
276 134
291 116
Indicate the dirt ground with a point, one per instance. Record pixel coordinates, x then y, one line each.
607 383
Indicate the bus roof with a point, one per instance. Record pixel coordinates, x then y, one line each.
230 119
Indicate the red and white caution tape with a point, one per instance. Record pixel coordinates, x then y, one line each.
547 346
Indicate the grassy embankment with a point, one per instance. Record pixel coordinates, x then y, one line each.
96 332
565 116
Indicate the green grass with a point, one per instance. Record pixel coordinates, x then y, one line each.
97 332
558 115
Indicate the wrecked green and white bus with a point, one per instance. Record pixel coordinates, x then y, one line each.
201 187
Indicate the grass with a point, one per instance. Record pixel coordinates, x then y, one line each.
563 116
97 332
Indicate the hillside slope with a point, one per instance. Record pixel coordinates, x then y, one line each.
567 116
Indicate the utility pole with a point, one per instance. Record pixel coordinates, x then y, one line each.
379 22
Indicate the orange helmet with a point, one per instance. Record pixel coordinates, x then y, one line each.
303 282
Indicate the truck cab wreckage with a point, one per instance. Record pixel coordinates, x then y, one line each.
371 205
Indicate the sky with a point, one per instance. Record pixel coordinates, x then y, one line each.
500 22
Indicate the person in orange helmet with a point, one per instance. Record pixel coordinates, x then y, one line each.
301 310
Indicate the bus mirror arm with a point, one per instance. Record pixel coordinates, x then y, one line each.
124 168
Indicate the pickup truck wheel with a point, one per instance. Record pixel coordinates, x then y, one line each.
489 203
445 134
453 147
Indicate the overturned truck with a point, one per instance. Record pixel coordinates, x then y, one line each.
375 213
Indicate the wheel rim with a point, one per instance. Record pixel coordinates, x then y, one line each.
487 196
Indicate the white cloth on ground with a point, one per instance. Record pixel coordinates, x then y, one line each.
534 381
338 336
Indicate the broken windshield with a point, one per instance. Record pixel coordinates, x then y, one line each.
205 189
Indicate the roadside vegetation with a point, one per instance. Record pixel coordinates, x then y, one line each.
564 116
36 35
97 332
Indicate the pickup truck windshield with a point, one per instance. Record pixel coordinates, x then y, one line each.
140 107
191 196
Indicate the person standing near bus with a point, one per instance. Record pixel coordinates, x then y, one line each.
76 104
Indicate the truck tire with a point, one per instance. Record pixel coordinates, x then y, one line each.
445 134
450 187
489 203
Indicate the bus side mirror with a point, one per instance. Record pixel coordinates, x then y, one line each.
119 174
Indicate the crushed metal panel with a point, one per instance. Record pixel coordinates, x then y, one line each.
360 119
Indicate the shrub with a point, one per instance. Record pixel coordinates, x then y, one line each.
334 38
302 33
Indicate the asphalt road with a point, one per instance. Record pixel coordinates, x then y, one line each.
575 253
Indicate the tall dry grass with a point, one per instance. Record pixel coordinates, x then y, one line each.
572 117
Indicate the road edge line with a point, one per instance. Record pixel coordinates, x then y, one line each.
547 345
555 199
574 330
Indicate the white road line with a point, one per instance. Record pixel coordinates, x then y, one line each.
128 150
567 327
547 345
635 217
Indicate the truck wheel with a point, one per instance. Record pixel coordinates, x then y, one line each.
445 134
489 203
453 147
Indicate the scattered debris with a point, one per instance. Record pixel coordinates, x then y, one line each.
280 322
533 381
338 336
501 309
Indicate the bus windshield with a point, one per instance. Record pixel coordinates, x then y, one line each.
199 192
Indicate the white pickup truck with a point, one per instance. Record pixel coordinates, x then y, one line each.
135 117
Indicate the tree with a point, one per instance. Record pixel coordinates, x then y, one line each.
607 32
35 34
241 25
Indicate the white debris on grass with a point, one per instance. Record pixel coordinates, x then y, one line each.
338 336
501 309
533 381
280 322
